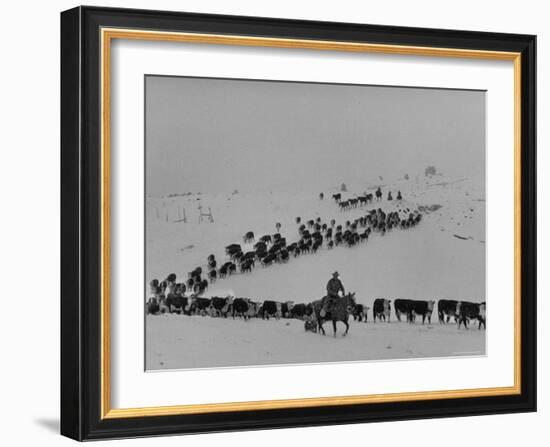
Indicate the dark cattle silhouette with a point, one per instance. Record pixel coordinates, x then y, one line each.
360 313
381 309
232 248
248 237
271 309
199 305
471 311
219 307
300 310
447 309
240 307
423 308
212 275
403 307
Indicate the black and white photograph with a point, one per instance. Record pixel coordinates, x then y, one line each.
295 222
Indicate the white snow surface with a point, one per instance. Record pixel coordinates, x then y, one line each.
441 258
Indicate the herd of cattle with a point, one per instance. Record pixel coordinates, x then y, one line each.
169 296
364 199
313 235
171 300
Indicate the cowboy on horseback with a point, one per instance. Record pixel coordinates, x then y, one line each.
334 288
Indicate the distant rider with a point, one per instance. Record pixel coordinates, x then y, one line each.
334 287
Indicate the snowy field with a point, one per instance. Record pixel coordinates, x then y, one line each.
441 258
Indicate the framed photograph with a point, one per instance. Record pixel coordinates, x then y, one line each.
274 223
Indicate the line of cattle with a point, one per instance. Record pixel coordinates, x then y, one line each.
365 199
463 312
313 235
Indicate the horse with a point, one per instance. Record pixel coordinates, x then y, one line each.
340 310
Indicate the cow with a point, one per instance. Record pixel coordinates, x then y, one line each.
260 246
266 239
152 306
248 237
403 307
381 309
470 311
219 307
447 309
232 248
176 302
271 309
246 266
199 305
422 307
337 197
300 311
195 273
482 315
360 313
212 275
240 307
253 309
268 260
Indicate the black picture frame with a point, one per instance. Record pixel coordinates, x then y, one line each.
81 224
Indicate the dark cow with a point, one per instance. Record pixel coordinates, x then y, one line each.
200 287
381 309
176 302
195 273
232 248
152 306
403 307
423 308
337 197
212 275
271 309
447 309
219 307
300 310
471 311
360 313
199 305
240 307
248 237
268 260
266 239
246 266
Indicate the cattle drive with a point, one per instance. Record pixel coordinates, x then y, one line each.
312 235
167 296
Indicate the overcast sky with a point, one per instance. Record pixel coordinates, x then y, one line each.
218 135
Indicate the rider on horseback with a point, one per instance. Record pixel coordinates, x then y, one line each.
334 287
